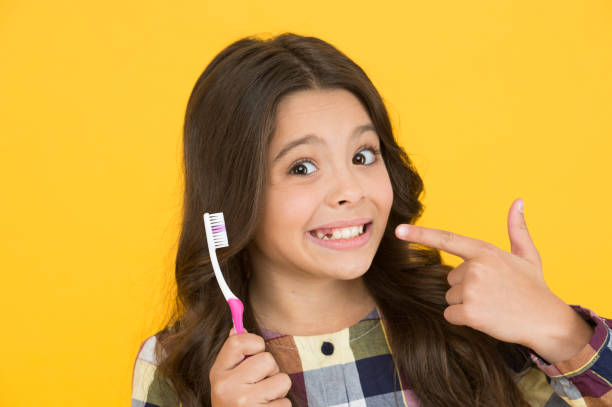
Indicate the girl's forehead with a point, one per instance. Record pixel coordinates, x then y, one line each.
309 103
316 112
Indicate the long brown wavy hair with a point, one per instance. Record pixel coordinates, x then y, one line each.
229 120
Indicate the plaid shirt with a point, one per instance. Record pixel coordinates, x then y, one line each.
353 367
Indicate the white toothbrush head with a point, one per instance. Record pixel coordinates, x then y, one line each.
216 236
217 229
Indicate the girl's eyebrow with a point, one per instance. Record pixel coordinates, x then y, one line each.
311 138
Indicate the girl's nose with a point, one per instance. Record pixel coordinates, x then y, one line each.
346 188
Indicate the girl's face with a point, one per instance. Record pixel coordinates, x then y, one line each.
335 175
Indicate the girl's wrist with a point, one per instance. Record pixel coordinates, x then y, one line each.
563 336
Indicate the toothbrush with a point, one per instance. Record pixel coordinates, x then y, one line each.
216 236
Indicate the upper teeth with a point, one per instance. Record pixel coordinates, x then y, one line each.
344 233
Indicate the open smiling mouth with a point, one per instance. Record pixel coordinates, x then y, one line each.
342 234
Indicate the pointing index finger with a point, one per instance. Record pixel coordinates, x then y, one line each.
453 243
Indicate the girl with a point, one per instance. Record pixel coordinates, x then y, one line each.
291 141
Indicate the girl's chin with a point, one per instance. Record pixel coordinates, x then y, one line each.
343 271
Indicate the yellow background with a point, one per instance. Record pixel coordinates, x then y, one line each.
494 100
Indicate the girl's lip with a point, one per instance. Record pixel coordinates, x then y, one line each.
344 244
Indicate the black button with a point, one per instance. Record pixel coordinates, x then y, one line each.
327 348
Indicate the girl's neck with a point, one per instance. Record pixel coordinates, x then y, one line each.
299 309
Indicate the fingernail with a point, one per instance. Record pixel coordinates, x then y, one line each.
521 206
403 230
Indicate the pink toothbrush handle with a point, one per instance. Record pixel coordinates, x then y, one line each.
237 309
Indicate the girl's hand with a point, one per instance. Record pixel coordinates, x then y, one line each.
504 294
237 381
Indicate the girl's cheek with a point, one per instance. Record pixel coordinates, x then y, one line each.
380 189
291 205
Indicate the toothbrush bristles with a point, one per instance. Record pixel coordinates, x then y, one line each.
217 224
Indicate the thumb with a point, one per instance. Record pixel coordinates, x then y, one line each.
521 243
233 331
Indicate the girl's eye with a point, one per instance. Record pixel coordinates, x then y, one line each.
373 153
300 164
